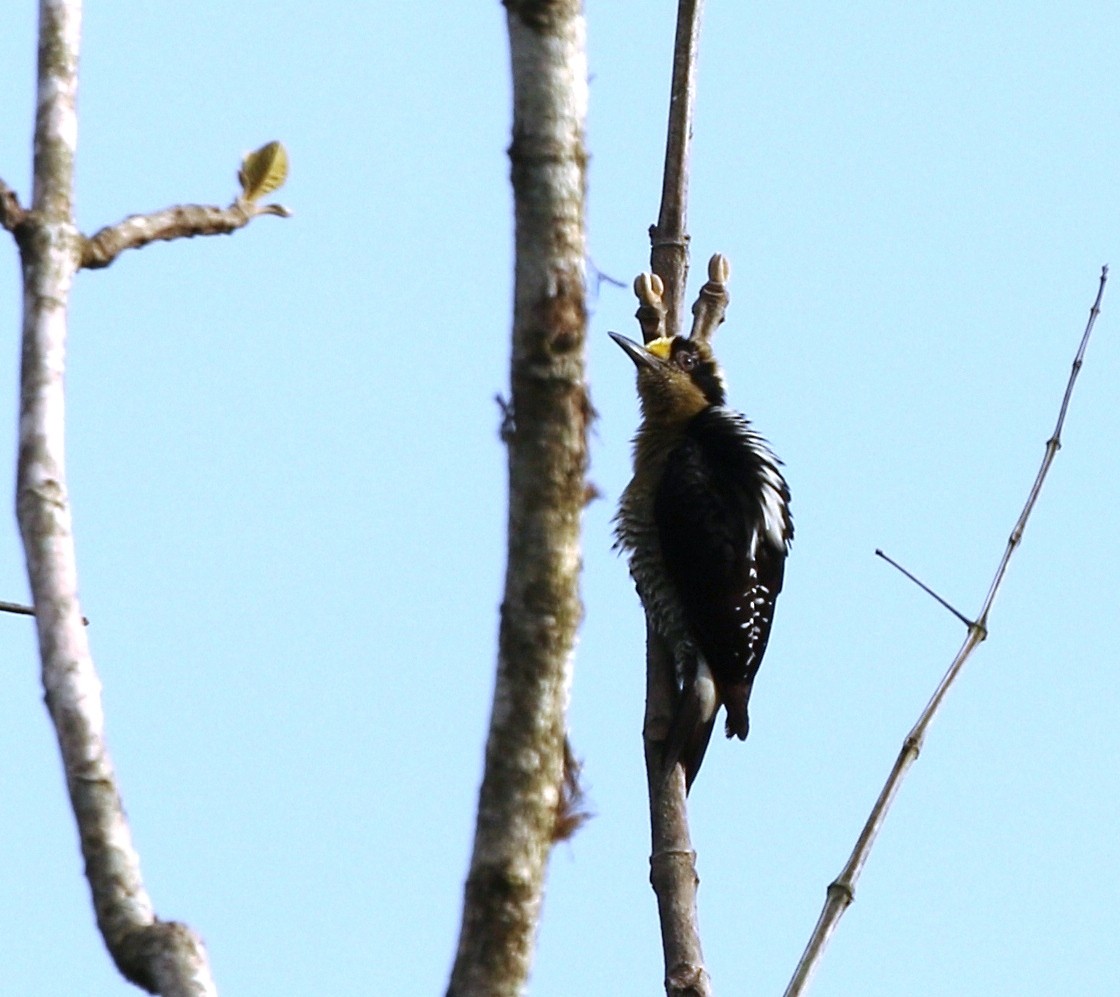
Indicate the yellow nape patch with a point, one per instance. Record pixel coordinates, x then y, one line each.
660 347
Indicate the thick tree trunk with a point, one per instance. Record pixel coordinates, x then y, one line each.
522 799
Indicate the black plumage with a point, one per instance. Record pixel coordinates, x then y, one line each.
706 524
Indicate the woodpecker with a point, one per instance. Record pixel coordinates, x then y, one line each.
706 525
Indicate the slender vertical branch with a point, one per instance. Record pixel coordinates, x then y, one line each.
672 860
669 237
672 864
161 957
522 804
841 892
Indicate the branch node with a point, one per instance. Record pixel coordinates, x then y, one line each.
659 241
13 216
842 891
686 979
912 745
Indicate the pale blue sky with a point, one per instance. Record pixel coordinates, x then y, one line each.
289 492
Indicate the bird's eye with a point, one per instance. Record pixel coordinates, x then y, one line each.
686 361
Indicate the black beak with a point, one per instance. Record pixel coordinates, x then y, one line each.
639 354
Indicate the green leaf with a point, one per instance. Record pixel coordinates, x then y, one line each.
263 171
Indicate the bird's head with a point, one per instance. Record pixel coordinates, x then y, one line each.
677 378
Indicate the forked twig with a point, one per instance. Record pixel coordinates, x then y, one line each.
841 892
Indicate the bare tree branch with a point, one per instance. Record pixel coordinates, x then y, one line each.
184 221
841 892
162 957
524 801
669 237
672 859
672 863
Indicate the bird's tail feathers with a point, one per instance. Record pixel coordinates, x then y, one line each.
735 698
689 734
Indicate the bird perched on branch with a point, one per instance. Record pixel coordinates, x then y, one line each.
705 521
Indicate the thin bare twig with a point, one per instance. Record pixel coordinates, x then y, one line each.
1053 445
672 860
924 587
21 610
841 892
